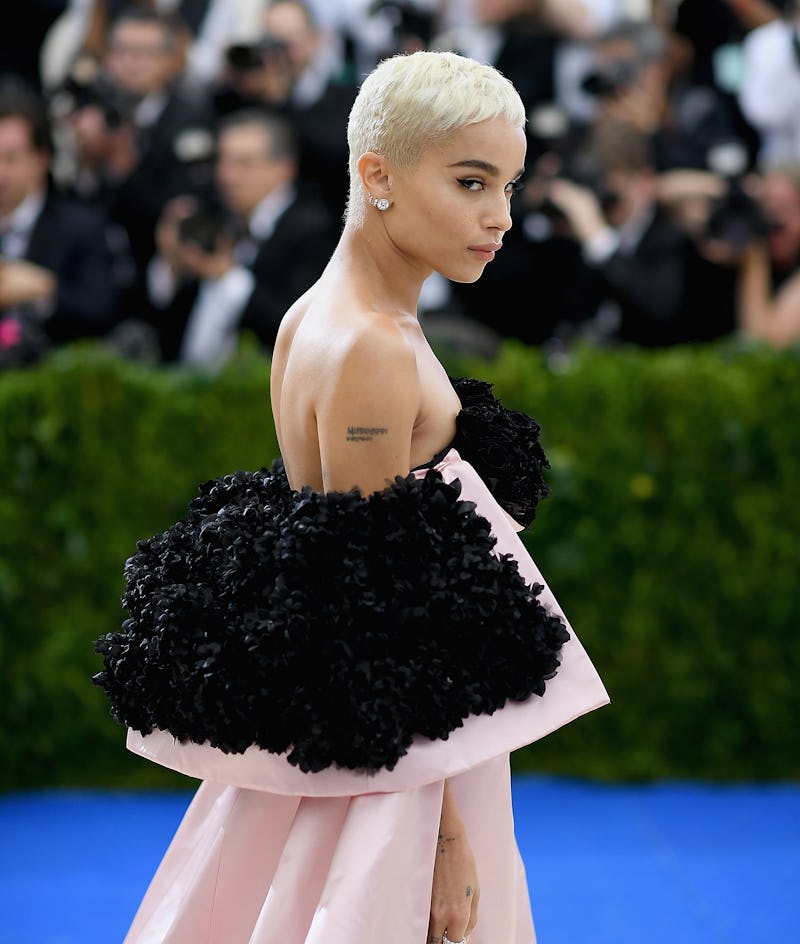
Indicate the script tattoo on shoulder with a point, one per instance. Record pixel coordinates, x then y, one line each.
365 433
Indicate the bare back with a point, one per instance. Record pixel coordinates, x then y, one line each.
358 396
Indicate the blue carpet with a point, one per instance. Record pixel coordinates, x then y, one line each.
675 863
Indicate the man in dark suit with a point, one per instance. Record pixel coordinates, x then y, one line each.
297 71
639 275
55 265
238 261
172 142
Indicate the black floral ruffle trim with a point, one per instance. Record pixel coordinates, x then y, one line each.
331 626
503 446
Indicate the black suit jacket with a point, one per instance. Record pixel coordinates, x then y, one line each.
666 293
285 265
289 262
164 170
69 239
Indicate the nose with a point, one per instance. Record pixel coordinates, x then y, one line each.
499 217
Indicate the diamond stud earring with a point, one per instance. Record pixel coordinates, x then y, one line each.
380 203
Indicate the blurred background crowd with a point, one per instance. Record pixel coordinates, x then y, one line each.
173 173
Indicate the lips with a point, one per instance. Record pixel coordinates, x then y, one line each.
486 252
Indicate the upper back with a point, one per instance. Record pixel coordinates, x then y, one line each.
330 349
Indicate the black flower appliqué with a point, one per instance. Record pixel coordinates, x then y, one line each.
330 626
503 446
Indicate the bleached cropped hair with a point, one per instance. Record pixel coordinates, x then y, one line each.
411 100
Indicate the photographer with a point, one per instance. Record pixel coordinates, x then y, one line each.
747 227
640 269
518 37
637 76
143 58
767 316
296 70
97 156
768 300
55 282
234 262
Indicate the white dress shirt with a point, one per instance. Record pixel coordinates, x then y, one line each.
16 228
213 325
769 95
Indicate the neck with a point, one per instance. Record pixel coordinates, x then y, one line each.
389 277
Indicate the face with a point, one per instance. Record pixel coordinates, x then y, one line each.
245 172
289 23
633 193
23 169
498 11
452 209
140 59
780 200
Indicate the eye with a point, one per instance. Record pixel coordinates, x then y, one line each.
471 183
515 186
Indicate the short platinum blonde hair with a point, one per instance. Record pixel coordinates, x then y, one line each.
412 100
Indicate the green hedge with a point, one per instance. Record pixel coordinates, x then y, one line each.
672 539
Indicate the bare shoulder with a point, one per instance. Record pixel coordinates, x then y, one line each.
374 340
340 335
287 329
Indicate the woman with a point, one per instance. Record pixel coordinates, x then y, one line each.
347 647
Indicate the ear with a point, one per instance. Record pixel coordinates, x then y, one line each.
375 174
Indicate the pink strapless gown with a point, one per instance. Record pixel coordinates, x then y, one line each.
267 854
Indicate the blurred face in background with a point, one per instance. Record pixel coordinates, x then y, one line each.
289 23
780 200
498 11
634 194
141 58
23 169
245 171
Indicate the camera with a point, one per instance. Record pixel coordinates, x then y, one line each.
247 57
735 218
610 78
583 170
115 104
206 227
563 150
410 24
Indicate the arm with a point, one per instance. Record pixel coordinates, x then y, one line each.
23 282
367 410
166 268
365 423
570 18
454 902
753 13
649 284
774 320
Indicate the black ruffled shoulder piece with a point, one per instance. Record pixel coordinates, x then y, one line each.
331 626
503 446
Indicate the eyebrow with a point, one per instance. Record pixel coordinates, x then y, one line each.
484 166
